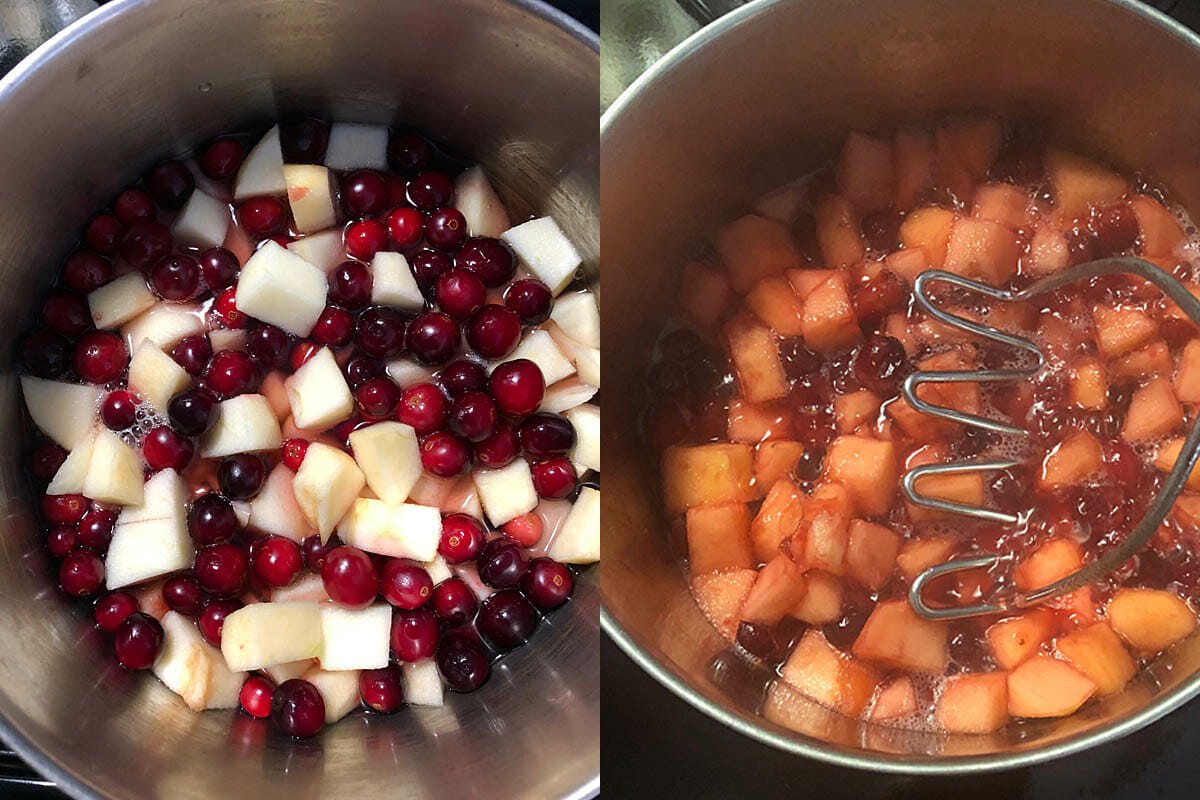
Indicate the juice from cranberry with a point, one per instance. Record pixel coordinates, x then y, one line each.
777 412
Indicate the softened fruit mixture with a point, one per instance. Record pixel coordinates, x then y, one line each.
783 434
313 423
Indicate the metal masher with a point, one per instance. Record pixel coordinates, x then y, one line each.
1158 508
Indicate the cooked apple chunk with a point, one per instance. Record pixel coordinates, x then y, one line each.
1150 620
974 703
709 473
1044 686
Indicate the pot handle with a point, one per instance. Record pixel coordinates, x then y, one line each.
25 24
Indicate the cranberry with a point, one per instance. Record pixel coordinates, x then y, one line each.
112 609
277 561
414 634
506 619
544 435
881 229
548 583
459 293
45 460
86 271
222 158
453 602
67 313
119 410
138 640
315 551
517 387
405 225
462 661
444 454
133 205
1081 246
377 397
463 376
381 689
192 353
446 229
232 372
183 595
219 267
256 695
1116 228
96 529
430 191
81 573
192 411
462 538
211 519
1123 464
303 140
63 509
490 260
103 233
241 476
409 153
221 569
526 530
171 184
424 407
381 332
145 243
500 447
501 563
298 709
553 478
350 285
365 238
62 539
427 267
432 338
405 583
268 345
350 577
293 453
226 310
100 357
473 416
211 621
494 331
302 352
44 353
334 328
364 193
262 216
176 277
879 295
879 364
758 640
530 300
361 369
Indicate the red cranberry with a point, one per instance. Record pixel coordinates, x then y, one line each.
302 352
879 364
298 709
381 689
192 353
405 225
473 416
365 238
100 357
500 447
269 346
453 602
183 595
530 300
444 454
103 233
506 619
86 271
44 353
553 478
95 531
176 277
430 191
545 435
192 411
119 410
881 229
405 583
63 509
211 519
145 243
364 193
427 267
262 216
526 530
62 539
378 397
490 259
361 369
881 294
222 158
133 205
256 695
138 640
501 563
334 328
462 538
232 372
408 152
1081 246
381 332
350 285
414 634
45 460
81 573
446 229
798 361
303 140
432 338
277 561
424 407
219 267
517 387
241 476
67 313
463 376
494 331
164 448
293 453
1116 228
171 184
112 609
227 311
212 617
350 577
221 569
462 661
315 551
1123 464
459 293
548 583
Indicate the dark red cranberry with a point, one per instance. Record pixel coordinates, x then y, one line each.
444 454
430 191
545 435
408 152
404 583
138 640
182 594
381 332
473 416
462 538
315 551
1123 464
211 519
1116 228
350 578
506 619
112 609
256 696
361 369
241 476
414 634
277 561
334 328
303 141
365 238
292 453
103 233
364 193
63 509
171 184
211 621
446 229
424 407
459 293
494 331
1082 246
382 689
879 364
302 352
882 293
432 338
490 260
406 226
62 539
262 216
500 447
221 569
530 300
269 346
553 478
86 271
232 372
192 411
222 158
378 397
548 583
758 640
298 709
133 205
119 410
350 285
397 190
176 277
462 661
100 357
81 573
798 361
501 563
517 387
45 460
427 267
219 267
67 313
881 229
44 353
453 602
226 310
192 353
96 530
463 376
145 243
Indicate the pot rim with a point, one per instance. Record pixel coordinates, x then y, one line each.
46 766
800 744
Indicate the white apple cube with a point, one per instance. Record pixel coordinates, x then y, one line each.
324 250
70 477
275 510
404 531
288 670
203 222
274 388
339 690
390 459
587 363
194 669
538 346
164 325
262 171
438 570
355 146
578 540
309 586
586 420
325 485
506 493
115 471
245 424
422 683
280 287
565 395
318 393
578 316
63 411
156 376
405 373
227 339
263 634
479 204
393 284
355 639
120 300
545 249
310 194
151 539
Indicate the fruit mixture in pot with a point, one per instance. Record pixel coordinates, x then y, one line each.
314 423
777 413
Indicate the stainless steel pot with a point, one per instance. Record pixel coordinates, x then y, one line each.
512 83
766 94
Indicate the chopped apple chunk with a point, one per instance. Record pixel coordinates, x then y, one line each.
407 530
339 690
819 671
982 249
710 473
755 355
822 601
719 538
865 173
310 191
914 166
1159 231
1154 411
829 323
720 596
838 233
780 585
1002 203
871 553
895 636
751 424
855 410
1044 686
1089 384
245 424
1119 330
356 146
1150 620
354 639
578 540
393 284
753 248
1187 379
774 302
318 393
1079 183
897 698
1053 560
480 205
389 457
778 517
1072 461
974 703
1097 652
545 249
928 228
280 287
262 170
775 459
867 468
120 300
1016 639
194 669
325 486
263 634
156 376
1166 456
63 411
506 493
151 538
